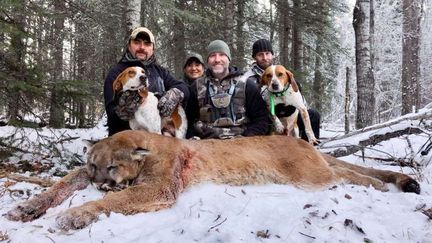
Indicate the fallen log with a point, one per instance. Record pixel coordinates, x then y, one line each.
345 150
44 182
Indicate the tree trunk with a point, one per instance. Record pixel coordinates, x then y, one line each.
372 32
297 42
57 96
284 31
410 55
239 55
347 100
318 83
364 71
82 70
133 15
15 64
228 20
179 48
272 21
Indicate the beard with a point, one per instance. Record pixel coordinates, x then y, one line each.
264 64
141 56
219 69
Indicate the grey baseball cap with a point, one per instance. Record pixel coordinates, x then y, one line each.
195 56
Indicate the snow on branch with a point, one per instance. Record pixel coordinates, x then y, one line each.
353 142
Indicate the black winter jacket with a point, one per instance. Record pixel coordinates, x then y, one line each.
160 81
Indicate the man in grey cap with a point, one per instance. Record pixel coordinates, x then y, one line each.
193 67
220 105
121 107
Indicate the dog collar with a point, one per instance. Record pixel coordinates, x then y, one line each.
282 93
276 94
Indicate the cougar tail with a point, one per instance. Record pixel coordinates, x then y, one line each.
402 181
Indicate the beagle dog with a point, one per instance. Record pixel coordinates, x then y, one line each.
279 87
147 116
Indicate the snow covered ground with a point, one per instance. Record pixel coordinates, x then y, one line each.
222 213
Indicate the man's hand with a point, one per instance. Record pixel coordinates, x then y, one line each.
206 131
169 101
127 104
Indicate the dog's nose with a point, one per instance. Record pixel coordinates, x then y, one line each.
275 86
142 78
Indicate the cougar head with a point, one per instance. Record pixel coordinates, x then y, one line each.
113 165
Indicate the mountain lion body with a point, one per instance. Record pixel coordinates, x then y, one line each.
155 169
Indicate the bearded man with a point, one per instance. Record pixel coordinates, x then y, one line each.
221 105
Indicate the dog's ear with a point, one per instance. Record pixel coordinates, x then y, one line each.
264 79
292 81
117 84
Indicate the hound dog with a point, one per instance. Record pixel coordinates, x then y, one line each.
279 87
147 116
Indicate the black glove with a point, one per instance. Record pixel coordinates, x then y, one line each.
169 101
127 104
203 130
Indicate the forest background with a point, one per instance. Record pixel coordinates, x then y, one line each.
360 62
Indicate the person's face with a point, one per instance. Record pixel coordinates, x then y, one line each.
218 63
194 70
264 59
141 49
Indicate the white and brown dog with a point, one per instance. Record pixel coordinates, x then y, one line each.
147 116
279 87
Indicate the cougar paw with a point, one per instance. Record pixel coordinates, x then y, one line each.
410 185
25 212
75 218
379 185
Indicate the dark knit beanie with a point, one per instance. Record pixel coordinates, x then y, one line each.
218 46
261 45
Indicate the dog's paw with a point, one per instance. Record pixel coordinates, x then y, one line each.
76 218
279 128
314 141
26 211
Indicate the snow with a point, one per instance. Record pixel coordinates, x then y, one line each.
264 213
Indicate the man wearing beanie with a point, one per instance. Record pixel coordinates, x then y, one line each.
262 53
220 105
140 52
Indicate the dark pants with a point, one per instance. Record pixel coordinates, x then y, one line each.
315 119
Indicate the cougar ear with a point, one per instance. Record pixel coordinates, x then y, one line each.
88 144
140 154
